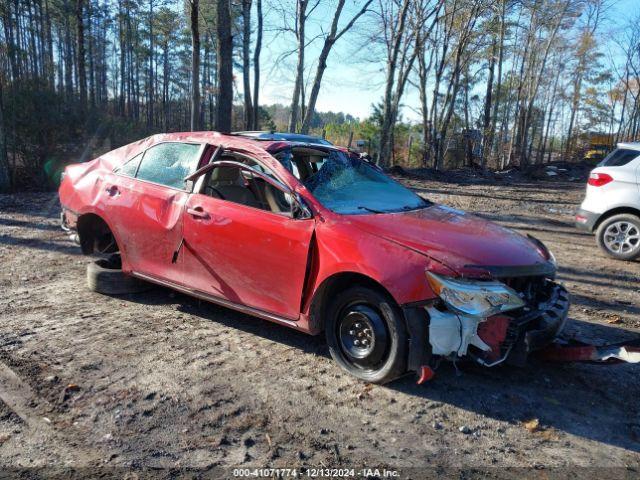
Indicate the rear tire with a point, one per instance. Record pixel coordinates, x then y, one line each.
366 335
619 236
106 276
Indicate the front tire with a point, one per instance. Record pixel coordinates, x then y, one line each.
366 335
619 236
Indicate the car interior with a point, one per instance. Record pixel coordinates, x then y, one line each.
303 162
237 185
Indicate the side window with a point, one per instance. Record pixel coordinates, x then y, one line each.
619 157
240 186
131 166
168 163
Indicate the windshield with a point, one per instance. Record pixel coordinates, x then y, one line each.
348 185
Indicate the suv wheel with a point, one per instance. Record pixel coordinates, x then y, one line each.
619 236
366 335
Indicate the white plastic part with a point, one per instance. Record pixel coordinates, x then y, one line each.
451 333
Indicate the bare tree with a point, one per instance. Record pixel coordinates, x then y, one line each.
300 26
396 35
586 46
466 16
329 41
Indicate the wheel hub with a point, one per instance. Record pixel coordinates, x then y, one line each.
363 335
622 237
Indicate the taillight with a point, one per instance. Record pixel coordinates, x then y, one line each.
599 179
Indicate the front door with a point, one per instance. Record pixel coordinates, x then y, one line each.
242 245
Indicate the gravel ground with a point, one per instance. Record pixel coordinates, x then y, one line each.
161 381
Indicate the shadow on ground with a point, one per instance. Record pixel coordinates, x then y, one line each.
578 399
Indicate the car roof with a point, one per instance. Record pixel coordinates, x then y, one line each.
232 140
630 145
263 149
287 136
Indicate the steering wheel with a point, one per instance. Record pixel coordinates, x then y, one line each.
215 191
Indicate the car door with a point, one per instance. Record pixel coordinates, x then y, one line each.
149 220
243 249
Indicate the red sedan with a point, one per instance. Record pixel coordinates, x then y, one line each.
316 238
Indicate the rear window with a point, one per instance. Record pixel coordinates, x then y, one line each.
131 167
619 157
168 163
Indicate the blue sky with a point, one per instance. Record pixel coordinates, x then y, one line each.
354 79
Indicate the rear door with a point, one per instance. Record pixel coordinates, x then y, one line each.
151 227
623 164
242 247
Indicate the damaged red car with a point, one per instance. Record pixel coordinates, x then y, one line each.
319 239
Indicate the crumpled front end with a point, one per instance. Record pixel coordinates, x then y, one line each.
532 321
531 328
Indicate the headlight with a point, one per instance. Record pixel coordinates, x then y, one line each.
475 298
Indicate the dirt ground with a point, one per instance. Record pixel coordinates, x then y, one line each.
161 381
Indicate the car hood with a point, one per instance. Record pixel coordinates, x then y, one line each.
459 240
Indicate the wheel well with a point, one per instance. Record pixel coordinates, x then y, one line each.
334 284
616 211
95 235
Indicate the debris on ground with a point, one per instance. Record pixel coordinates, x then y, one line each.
557 171
532 425
160 379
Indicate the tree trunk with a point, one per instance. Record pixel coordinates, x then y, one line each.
256 68
423 73
5 177
246 61
575 102
195 67
151 87
92 77
82 74
225 67
301 19
486 124
494 119
388 111
68 60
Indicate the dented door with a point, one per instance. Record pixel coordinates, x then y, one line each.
151 225
245 255
158 231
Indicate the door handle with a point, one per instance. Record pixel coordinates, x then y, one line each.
197 212
112 191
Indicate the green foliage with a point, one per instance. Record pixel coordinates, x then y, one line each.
38 120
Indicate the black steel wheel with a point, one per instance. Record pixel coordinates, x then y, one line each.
366 335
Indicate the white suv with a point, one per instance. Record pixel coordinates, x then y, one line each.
611 206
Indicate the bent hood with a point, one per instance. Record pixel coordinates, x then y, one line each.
459 240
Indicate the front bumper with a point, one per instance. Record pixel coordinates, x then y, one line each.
529 329
586 220
553 316
536 329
